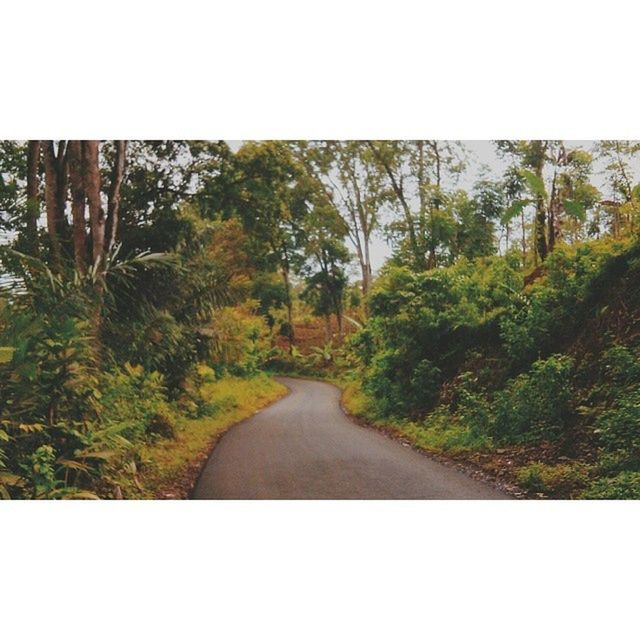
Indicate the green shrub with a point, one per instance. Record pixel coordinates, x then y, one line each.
542 318
131 397
442 431
61 460
237 340
51 375
156 341
472 408
554 480
421 325
295 363
619 426
621 365
624 486
206 373
610 464
162 423
535 405
194 400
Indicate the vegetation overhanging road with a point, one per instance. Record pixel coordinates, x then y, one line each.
305 447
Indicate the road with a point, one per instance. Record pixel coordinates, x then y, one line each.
305 447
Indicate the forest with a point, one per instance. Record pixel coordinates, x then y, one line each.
151 291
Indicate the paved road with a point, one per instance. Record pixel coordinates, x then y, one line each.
304 447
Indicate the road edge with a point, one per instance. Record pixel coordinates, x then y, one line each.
221 434
470 469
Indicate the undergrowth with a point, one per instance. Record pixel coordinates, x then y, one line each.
169 468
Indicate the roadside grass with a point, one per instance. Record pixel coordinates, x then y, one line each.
517 466
438 434
169 468
5 354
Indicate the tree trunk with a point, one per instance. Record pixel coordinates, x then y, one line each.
399 193
541 218
540 232
78 202
52 202
62 191
432 261
340 322
367 275
287 286
33 197
523 222
552 216
113 209
97 219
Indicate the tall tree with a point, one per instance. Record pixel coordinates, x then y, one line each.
324 269
623 203
558 184
347 176
55 168
416 171
33 195
78 199
271 200
531 155
115 188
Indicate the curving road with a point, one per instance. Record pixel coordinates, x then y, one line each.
305 447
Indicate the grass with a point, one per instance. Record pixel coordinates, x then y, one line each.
438 434
170 467
441 434
5 354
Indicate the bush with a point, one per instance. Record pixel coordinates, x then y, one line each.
562 480
546 315
206 373
193 399
535 405
294 363
624 486
131 398
51 375
163 424
621 365
236 341
157 342
619 427
443 432
421 325
60 460
472 408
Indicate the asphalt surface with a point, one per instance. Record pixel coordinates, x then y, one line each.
305 447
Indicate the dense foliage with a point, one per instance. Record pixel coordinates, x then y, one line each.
506 318
551 370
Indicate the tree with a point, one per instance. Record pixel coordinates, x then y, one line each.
345 172
531 156
416 172
13 178
56 176
33 196
327 256
474 220
271 200
624 202
557 185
